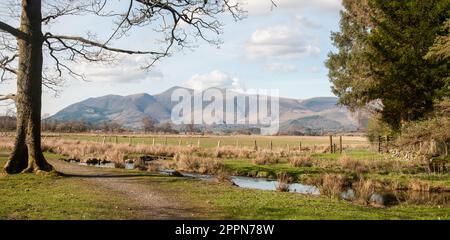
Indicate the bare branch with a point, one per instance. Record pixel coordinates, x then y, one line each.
274 4
97 44
8 97
5 61
13 31
178 23
125 18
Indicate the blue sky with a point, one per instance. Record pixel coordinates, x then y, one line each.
284 48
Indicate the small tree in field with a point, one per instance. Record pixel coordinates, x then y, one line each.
148 125
34 56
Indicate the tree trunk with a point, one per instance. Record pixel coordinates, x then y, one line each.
27 154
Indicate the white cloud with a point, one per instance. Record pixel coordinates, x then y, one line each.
216 79
127 70
303 21
314 70
265 6
280 42
281 67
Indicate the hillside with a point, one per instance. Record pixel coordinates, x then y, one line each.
310 115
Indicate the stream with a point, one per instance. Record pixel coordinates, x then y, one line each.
254 183
377 198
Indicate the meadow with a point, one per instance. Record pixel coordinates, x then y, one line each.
211 141
419 192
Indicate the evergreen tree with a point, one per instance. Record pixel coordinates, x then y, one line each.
381 57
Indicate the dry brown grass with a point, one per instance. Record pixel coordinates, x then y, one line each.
152 167
201 165
118 152
232 152
119 165
6 143
419 186
245 153
301 161
364 188
355 165
283 182
140 165
332 185
266 158
372 164
112 152
223 177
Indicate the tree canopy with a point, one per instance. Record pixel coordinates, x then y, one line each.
381 57
34 54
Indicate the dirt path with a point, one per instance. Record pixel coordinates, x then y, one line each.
143 196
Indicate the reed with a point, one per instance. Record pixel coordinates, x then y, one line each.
301 161
283 182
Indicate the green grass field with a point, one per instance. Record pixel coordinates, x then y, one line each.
29 196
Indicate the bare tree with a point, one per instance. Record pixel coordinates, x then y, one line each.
148 125
35 57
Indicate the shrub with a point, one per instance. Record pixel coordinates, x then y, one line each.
284 181
265 158
119 165
358 166
223 177
196 164
140 165
332 185
376 127
364 188
419 186
301 161
152 168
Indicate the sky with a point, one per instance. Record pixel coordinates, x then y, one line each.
280 48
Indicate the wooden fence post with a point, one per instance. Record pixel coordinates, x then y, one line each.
256 146
340 144
198 143
387 144
300 146
379 144
331 144
446 148
271 145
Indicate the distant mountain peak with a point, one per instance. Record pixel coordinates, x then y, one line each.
130 110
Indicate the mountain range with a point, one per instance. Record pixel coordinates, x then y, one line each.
310 116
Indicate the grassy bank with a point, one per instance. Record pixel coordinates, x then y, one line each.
55 197
29 196
235 203
353 164
402 176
